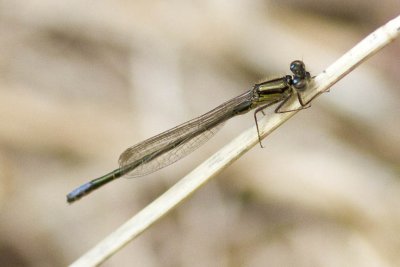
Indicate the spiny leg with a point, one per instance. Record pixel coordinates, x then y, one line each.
303 105
309 101
318 94
260 109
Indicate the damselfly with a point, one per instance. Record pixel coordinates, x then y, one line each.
172 145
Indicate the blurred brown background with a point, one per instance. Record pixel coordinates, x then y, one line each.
80 81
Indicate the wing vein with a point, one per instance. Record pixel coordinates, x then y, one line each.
168 147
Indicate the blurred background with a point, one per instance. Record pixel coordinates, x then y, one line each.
80 81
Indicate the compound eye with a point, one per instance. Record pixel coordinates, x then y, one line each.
298 68
299 83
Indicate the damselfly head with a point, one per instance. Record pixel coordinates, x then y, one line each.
301 76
